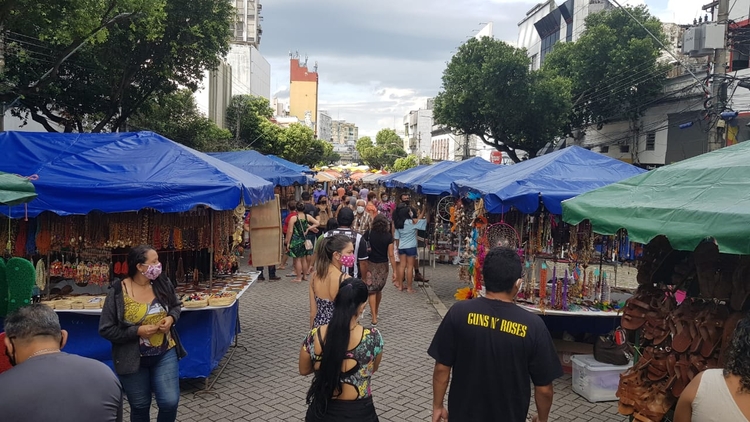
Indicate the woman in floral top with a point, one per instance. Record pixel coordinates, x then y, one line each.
343 355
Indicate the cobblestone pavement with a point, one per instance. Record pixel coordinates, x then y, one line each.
261 382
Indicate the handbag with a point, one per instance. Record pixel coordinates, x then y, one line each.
308 242
613 348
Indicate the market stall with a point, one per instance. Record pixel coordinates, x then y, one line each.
693 277
388 180
290 165
100 194
519 206
263 166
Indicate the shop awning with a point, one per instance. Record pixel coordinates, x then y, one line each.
292 166
388 179
411 180
120 172
15 190
439 183
263 166
553 177
705 196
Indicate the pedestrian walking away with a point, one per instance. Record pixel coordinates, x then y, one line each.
138 317
493 349
343 355
46 384
381 252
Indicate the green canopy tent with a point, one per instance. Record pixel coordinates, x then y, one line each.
689 201
15 190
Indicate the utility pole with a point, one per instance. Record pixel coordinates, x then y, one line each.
466 146
716 136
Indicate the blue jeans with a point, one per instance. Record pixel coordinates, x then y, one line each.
159 375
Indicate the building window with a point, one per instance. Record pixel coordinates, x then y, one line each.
604 149
624 148
650 141
534 60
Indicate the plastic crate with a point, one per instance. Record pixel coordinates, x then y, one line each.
596 381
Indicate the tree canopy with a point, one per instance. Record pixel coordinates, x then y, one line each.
383 153
164 45
613 67
405 163
489 91
176 116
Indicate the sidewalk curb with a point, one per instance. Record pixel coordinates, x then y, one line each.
434 300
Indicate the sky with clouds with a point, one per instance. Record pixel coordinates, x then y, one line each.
378 60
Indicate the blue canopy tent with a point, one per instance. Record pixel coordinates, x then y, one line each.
438 182
554 177
262 166
120 172
410 180
292 166
388 179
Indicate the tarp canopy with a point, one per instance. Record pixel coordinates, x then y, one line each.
262 166
554 177
15 190
120 172
410 180
388 179
292 166
439 182
704 196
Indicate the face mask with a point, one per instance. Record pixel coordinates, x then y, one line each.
360 210
347 260
153 272
384 199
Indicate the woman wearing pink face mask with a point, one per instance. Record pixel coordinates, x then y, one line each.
138 317
331 254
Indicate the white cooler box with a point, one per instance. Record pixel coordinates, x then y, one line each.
594 380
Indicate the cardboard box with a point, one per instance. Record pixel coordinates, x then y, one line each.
566 350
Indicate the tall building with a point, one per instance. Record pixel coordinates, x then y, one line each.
546 24
303 90
325 126
418 126
343 132
251 71
246 28
214 97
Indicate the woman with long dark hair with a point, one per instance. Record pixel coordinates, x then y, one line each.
331 254
343 355
406 224
381 252
138 317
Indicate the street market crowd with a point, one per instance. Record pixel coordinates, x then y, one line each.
345 241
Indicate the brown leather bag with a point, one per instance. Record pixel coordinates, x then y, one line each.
607 349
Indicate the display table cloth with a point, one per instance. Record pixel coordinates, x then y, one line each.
206 333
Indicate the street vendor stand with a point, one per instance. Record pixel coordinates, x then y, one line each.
693 277
264 167
98 195
560 264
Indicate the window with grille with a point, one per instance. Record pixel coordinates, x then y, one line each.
650 141
624 148
604 149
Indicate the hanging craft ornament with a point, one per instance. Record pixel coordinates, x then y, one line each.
41 275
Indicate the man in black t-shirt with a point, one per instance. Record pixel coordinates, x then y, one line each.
493 348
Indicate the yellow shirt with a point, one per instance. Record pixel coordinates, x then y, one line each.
149 314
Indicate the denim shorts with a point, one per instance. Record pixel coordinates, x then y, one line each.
408 251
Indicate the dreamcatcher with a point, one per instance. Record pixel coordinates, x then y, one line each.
443 210
502 234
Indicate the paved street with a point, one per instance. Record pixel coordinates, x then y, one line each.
262 384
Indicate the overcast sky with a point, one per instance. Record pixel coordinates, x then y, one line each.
378 60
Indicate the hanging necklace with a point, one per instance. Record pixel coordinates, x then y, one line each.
43 351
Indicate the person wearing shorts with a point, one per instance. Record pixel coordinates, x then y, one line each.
381 252
406 228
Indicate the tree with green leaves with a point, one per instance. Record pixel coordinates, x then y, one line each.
176 117
613 68
489 91
387 148
251 116
363 144
405 163
154 53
